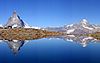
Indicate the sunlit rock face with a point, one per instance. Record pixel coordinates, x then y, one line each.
15 20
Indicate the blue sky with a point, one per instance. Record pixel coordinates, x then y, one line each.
51 12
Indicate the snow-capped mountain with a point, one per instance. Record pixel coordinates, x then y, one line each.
15 21
82 27
85 24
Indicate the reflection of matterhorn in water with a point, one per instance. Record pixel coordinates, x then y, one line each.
15 45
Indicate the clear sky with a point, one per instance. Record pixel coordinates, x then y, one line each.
51 12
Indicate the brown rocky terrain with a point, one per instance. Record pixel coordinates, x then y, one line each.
26 34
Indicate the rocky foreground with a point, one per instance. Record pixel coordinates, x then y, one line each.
30 34
95 35
26 34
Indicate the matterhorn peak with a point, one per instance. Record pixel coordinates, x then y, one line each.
14 13
85 20
15 20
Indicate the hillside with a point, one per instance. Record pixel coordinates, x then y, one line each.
25 34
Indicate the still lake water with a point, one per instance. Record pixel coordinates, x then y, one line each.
51 51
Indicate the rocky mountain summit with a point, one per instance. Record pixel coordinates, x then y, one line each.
14 21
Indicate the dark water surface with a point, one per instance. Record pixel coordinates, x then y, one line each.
51 51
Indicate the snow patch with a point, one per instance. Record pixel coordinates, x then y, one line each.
27 26
70 31
84 44
1 40
88 28
70 25
84 21
1 25
15 40
71 35
87 38
36 27
70 40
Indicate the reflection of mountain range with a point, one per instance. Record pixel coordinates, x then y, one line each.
83 40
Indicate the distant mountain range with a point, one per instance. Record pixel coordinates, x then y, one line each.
83 27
